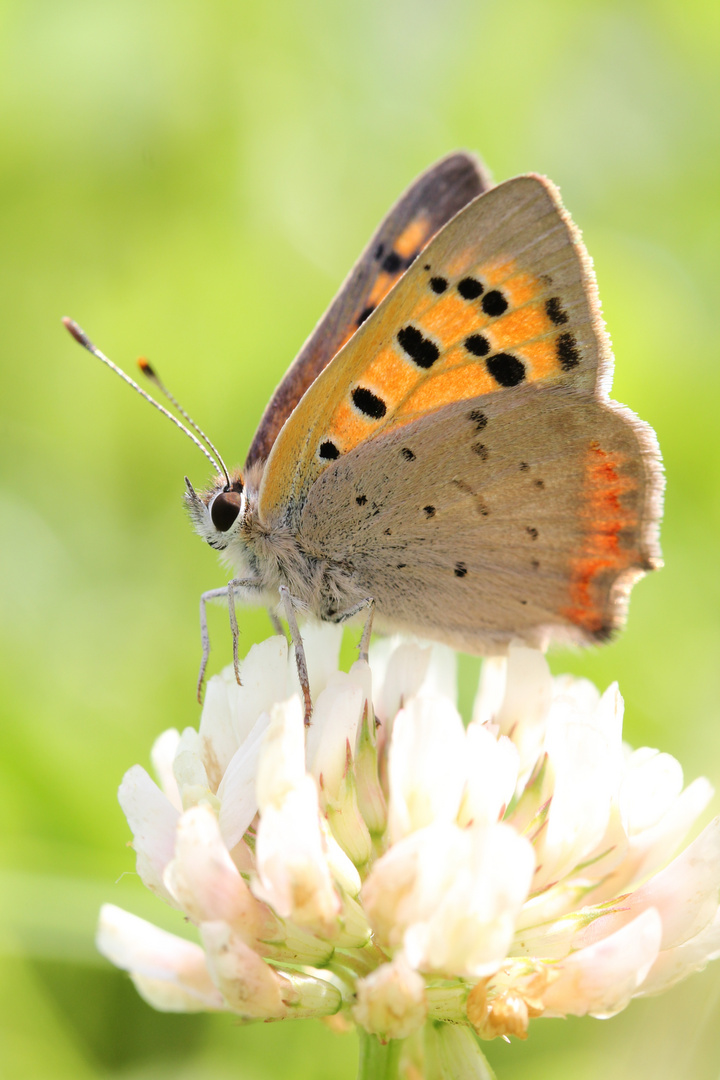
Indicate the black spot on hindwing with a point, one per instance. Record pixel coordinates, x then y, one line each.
407 453
460 569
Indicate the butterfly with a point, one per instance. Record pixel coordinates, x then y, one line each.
444 448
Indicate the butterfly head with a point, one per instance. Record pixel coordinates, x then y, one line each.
219 512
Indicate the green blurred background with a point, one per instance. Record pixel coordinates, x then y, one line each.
162 165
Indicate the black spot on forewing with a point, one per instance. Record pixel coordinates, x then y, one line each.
494 303
567 351
368 403
470 288
479 419
555 311
407 453
505 369
438 284
365 314
460 569
379 251
477 345
392 262
328 451
422 350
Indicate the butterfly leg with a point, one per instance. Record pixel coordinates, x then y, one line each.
368 604
275 622
228 592
300 660
367 631
234 631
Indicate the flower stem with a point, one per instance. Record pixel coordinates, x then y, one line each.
378 1061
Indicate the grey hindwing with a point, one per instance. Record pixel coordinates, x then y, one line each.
465 525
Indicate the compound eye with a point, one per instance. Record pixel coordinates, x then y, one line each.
225 509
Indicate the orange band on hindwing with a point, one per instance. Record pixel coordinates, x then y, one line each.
607 516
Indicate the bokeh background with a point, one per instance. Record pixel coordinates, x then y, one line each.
191 180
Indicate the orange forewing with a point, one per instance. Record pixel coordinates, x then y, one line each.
428 204
508 273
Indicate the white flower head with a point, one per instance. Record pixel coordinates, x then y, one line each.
392 865
391 1000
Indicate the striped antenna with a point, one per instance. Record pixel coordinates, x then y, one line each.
150 373
81 337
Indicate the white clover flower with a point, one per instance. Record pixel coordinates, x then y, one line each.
431 882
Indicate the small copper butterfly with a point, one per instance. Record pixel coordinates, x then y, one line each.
443 447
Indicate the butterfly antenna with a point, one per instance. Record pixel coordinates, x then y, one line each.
150 373
81 337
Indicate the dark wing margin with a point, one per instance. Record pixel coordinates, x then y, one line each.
427 205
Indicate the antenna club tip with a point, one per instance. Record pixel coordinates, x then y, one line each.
77 332
146 367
